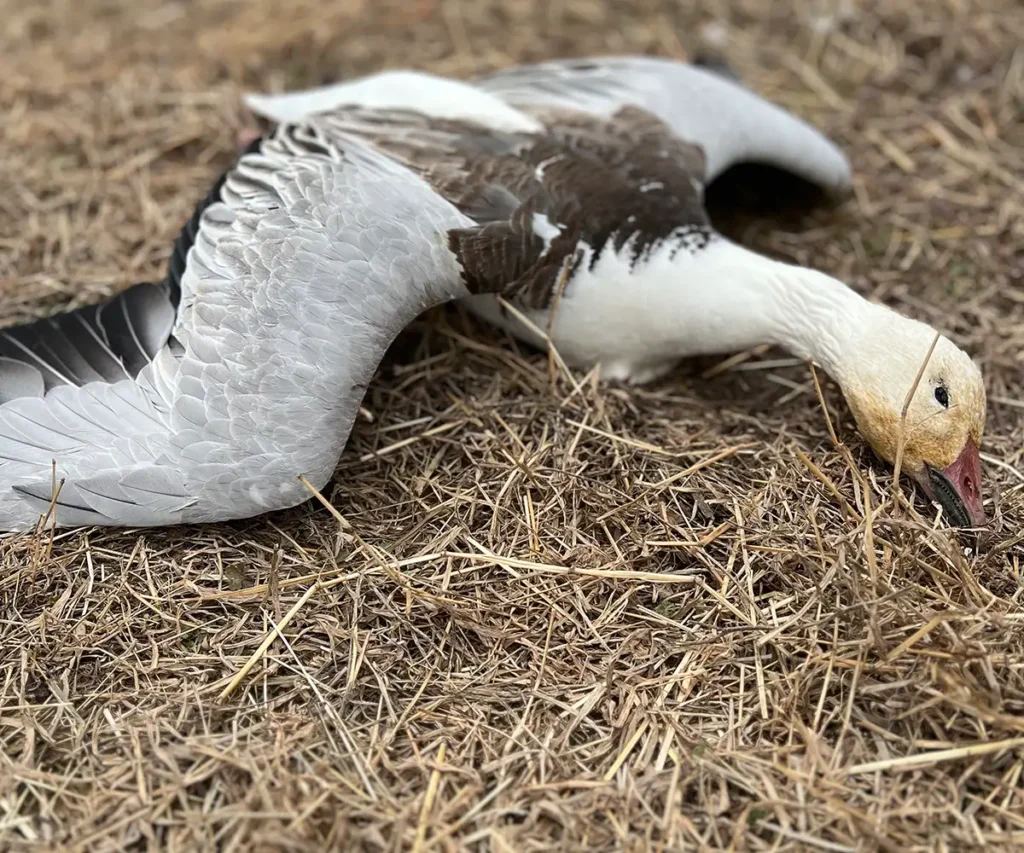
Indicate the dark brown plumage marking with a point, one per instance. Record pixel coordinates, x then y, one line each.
603 183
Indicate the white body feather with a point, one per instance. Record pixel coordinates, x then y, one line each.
638 321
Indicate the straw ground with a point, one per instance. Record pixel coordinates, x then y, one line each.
543 613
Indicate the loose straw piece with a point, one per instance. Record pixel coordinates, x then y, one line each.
626 750
909 761
509 562
428 800
330 507
903 417
273 635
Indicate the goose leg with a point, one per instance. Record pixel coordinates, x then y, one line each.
637 374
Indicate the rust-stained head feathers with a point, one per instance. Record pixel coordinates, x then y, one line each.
945 418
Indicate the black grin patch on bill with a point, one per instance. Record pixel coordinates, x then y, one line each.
948 497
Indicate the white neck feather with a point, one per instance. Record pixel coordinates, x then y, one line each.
724 298
810 314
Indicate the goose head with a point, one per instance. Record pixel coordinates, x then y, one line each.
945 418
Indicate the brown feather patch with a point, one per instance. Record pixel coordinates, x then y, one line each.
600 182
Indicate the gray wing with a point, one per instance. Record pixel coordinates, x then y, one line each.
72 382
298 277
729 122
539 201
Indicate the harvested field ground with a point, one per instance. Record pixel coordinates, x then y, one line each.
557 616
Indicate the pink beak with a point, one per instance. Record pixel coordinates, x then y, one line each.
957 487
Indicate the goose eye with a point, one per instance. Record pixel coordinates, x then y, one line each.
942 397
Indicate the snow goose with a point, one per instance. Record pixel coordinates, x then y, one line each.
585 179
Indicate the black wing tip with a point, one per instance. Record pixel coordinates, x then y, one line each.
716 65
99 342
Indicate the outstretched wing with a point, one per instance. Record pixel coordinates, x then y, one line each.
703 106
73 385
76 385
297 277
730 123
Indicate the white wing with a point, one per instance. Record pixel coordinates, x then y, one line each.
440 97
731 123
300 276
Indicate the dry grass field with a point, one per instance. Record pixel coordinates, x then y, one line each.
543 614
